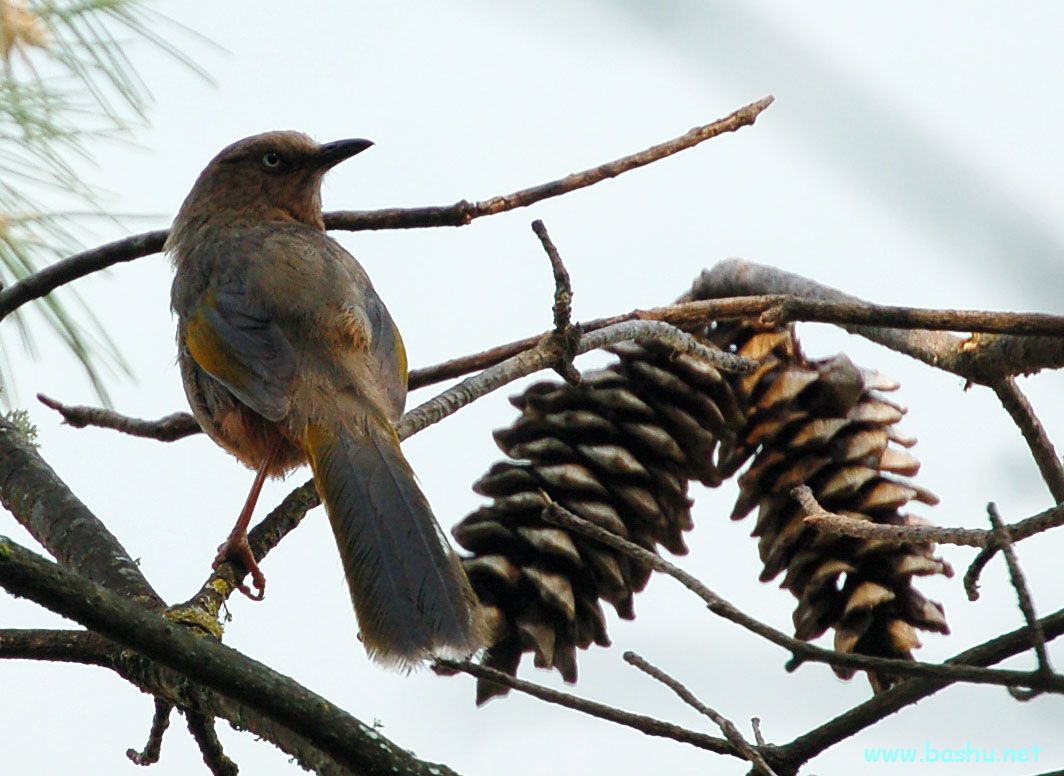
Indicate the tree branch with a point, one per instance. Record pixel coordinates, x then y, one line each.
339 735
160 721
461 213
842 525
1034 433
908 692
801 650
727 727
546 354
64 526
640 722
170 428
983 360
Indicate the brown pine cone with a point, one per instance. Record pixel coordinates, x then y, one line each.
618 451
826 424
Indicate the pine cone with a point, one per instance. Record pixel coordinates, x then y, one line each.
825 424
618 451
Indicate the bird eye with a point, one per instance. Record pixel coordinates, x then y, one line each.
272 159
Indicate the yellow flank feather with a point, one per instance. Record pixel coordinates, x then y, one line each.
211 352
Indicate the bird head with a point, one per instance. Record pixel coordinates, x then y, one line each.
275 176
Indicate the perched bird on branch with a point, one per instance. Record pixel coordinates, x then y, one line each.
287 356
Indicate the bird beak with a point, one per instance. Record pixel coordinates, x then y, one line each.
333 153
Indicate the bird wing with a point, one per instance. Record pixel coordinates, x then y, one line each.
386 347
235 340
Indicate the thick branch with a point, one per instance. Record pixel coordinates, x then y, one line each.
46 507
352 744
985 359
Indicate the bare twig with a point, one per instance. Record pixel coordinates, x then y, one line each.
1034 433
681 315
160 721
566 335
203 608
985 360
66 646
170 428
640 722
975 569
462 213
726 726
459 214
769 307
545 354
801 651
755 723
563 288
214 757
831 522
1038 637
857 313
906 693
51 277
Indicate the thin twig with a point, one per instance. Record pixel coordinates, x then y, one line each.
726 726
830 522
975 570
768 306
45 281
545 354
459 214
1034 433
755 723
160 721
462 213
801 651
640 722
563 288
1026 602
170 428
214 757
639 325
881 706
202 610
566 335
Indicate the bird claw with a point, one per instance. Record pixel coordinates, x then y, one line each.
236 550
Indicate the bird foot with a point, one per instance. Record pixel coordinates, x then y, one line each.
236 550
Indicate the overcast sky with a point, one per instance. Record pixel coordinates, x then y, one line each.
913 156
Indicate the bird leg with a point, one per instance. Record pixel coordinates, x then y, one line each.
236 547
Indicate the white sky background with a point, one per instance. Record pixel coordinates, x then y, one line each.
913 156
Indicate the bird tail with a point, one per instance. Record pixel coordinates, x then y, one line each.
412 598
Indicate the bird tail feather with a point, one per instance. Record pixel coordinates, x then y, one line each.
411 596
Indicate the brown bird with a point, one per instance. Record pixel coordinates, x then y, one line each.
287 356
